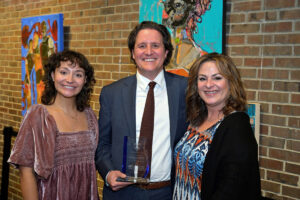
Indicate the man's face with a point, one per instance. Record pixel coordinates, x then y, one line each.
149 53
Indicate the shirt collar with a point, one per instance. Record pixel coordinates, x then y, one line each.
143 82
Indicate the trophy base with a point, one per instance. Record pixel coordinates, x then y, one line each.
134 180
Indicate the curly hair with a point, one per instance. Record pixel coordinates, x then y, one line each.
166 37
196 107
49 93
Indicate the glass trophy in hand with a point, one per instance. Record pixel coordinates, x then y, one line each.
135 161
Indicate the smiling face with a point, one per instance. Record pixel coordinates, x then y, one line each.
213 88
68 79
149 53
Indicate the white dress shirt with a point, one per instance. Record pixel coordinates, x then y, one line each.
161 147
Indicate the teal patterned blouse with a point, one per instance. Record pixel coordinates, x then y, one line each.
190 153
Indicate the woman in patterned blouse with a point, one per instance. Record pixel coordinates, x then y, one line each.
217 156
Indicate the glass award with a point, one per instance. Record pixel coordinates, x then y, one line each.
135 162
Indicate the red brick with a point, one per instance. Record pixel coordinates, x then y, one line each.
105 43
290 14
271 4
114 18
277 50
247 6
297 26
287 86
98 36
273 120
251 95
122 60
113 34
131 17
90 43
295 98
287 39
273 74
239 39
278 27
111 68
105 27
273 97
120 26
271 16
264 130
128 68
96 51
248 73
297 51
292 168
257 84
291 191
127 8
107 11
287 133
245 51
272 142
291 62
286 110
284 155
98 3
270 186
117 76
258 62
236 18
104 59
83 36
294 122
293 145
245 28
103 75
256 17
282 178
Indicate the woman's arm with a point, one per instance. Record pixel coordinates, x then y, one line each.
28 183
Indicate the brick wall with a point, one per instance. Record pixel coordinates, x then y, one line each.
262 36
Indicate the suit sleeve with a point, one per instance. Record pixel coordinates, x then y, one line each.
103 153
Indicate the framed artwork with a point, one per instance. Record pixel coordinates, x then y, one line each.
41 36
253 111
196 27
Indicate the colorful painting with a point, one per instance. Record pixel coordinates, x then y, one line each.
195 26
253 111
41 36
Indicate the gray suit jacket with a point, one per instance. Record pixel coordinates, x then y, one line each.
117 118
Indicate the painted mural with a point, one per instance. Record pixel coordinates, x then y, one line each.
195 26
41 36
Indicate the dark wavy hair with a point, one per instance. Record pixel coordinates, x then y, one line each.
54 61
196 107
166 37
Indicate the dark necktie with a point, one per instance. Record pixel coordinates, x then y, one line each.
146 131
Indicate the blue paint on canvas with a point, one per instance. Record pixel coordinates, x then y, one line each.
41 36
208 33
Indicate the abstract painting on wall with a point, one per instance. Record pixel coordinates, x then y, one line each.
196 27
253 110
41 36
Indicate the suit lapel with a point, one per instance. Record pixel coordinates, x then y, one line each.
173 104
128 103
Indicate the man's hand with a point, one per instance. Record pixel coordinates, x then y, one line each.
112 180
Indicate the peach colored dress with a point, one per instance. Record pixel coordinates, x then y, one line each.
63 161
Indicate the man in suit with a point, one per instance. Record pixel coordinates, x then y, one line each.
122 106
